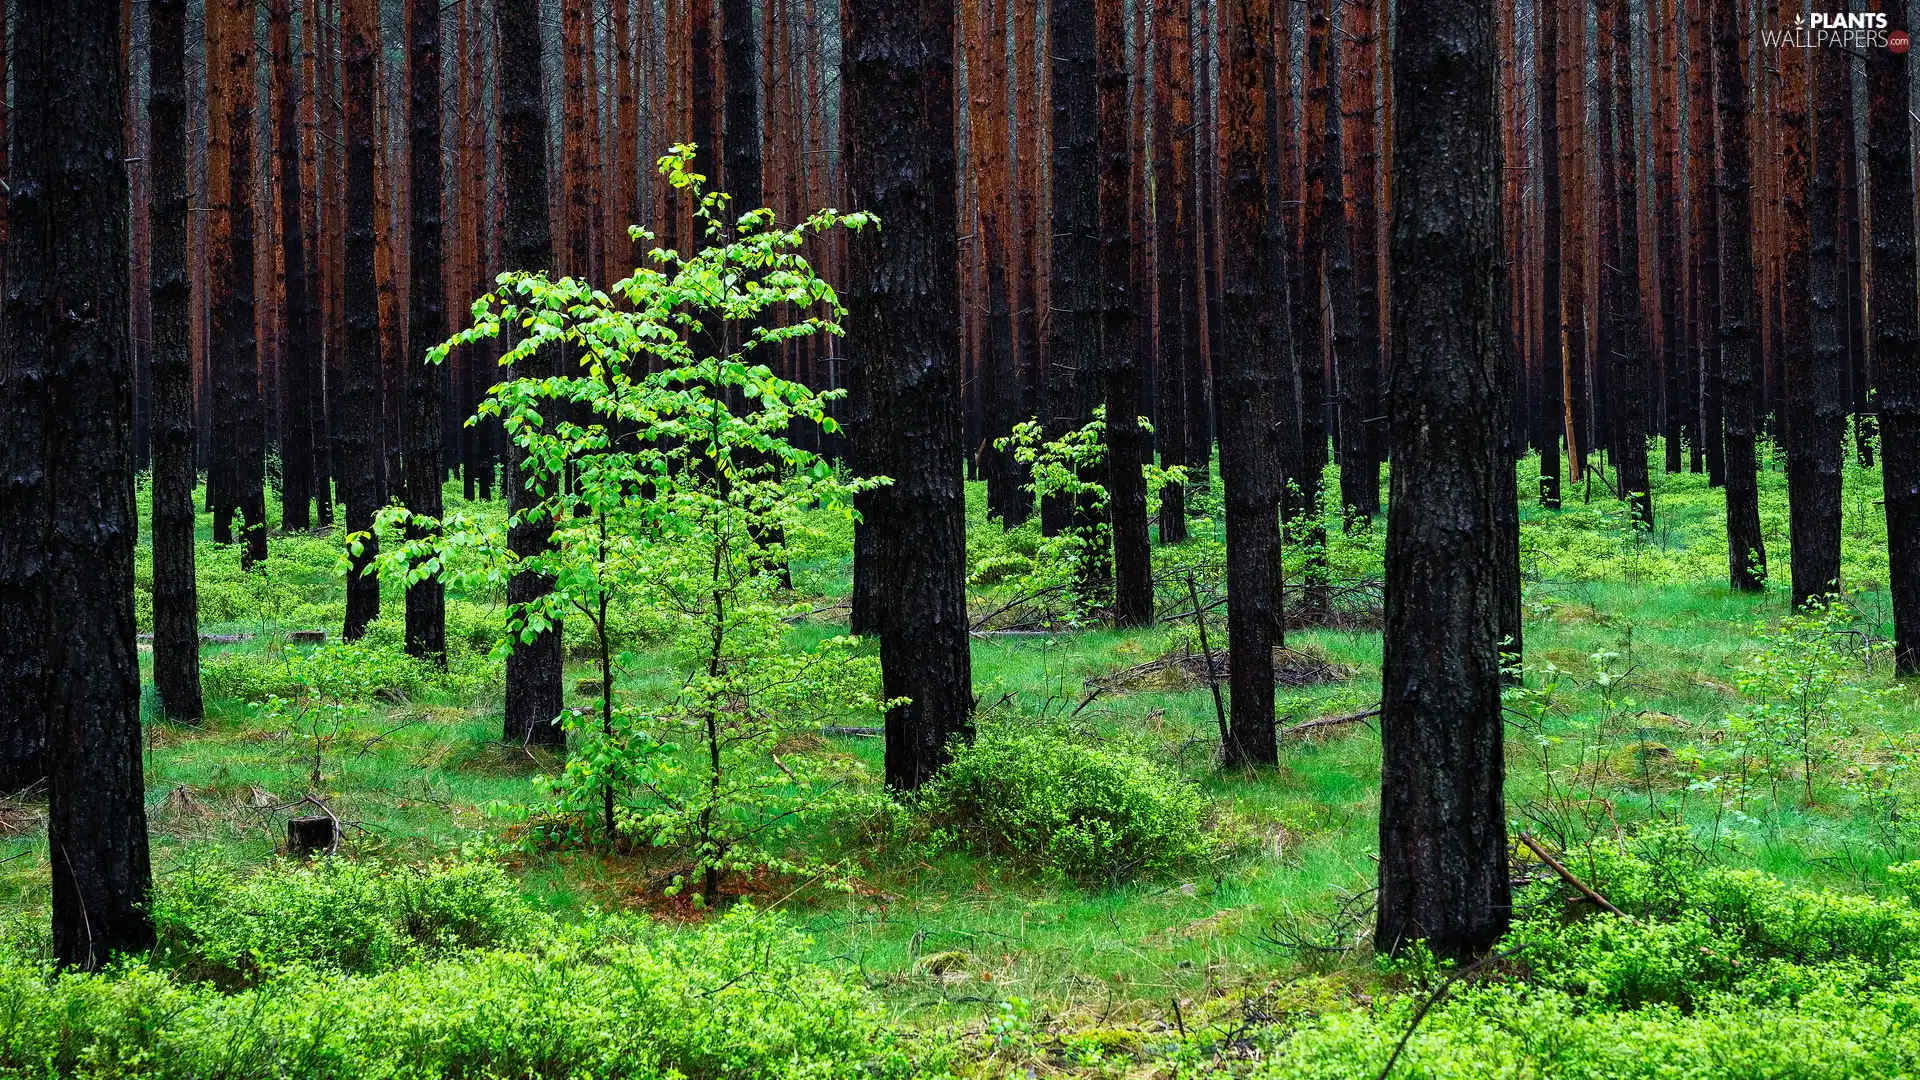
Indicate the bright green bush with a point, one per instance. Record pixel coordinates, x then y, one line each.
618 998
1089 813
218 925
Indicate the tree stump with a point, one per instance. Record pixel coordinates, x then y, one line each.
312 835
306 637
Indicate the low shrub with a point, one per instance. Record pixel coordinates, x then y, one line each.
1089 813
616 998
231 929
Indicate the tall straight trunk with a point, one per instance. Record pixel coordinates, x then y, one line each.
577 169
1819 426
533 668
1337 251
1173 254
1360 375
66 460
1576 393
391 395
1027 364
1739 305
897 142
360 396
1243 372
626 139
5 140
1443 836
241 455
1896 326
1857 381
426 630
213 253
741 139
1074 361
176 636
1665 97
1307 282
1549 406
1705 203
1126 487
1628 336
321 387
985 35
300 361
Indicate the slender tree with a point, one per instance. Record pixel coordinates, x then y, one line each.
1629 338
1548 407
1074 361
1819 409
1895 330
1172 242
300 361
1126 451
1244 373
426 630
534 667
237 402
67 537
176 635
361 394
1362 425
901 288
1739 305
1443 865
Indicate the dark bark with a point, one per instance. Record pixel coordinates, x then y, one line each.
426 317
1443 866
66 378
1896 326
1815 439
1173 247
241 457
360 396
901 287
1739 306
1550 405
741 139
1074 312
1307 283
1360 370
1244 370
1628 338
301 360
533 668
1126 450
176 638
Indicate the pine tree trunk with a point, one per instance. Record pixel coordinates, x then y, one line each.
66 460
899 154
1739 305
1126 487
1173 254
533 668
1074 362
1629 330
360 396
1443 866
300 359
1818 432
176 637
1550 405
236 338
1244 372
427 317
1360 385
1896 365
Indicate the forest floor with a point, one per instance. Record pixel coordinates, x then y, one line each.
1636 656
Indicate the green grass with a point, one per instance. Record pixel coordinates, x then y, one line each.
425 775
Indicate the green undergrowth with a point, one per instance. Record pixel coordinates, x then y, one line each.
1088 894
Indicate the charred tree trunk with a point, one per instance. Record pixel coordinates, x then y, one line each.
361 394
1074 361
300 361
426 317
1818 432
1895 329
176 604
1739 305
534 667
66 456
1443 866
1549 406
901 288
237 403
1173 252
1244 371
1126 487
1360 374
1628 338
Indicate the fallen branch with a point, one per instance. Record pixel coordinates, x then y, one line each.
856 732
1327 722
1567 875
